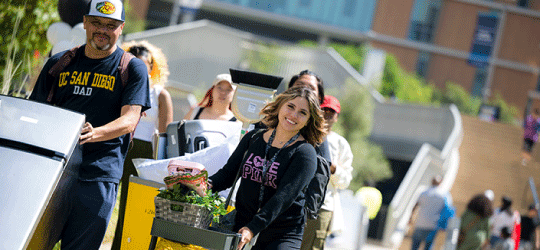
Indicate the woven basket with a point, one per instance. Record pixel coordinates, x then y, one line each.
190 214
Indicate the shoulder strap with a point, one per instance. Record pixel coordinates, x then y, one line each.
55 70
123 67
124 77
196 113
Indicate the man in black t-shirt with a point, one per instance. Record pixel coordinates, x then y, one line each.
92 84
530 234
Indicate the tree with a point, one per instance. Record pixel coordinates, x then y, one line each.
23 40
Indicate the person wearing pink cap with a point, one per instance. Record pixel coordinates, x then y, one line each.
216 104
330 217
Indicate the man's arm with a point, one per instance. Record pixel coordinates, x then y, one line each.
124 124
342 174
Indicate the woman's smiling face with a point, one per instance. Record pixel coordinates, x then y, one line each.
294 114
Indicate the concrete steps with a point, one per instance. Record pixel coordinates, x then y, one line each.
490 158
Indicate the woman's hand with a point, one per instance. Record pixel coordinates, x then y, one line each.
247 235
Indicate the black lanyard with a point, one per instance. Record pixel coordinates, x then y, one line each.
271 161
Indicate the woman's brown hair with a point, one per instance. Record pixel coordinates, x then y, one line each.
313 132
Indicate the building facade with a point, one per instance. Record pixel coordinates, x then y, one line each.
487 47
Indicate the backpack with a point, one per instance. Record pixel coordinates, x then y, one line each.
316 190
66 58
448 211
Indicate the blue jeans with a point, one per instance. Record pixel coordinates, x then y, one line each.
493 240
421 234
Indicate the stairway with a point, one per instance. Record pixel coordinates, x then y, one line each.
491 159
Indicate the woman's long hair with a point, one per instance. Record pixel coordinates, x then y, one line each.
481 206
159 73
313 132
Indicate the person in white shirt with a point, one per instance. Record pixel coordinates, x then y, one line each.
153 121
330 217
502 217
429 206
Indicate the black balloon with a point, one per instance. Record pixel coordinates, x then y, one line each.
72 11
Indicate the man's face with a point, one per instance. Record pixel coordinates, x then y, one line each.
101 32
330 116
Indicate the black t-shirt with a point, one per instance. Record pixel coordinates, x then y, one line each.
528 225
287 178
94 87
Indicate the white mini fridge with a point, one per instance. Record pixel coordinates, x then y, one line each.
39 154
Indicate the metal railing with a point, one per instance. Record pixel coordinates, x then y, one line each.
428 162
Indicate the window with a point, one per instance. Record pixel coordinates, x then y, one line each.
479 81
423 20
305 3
349 7
523 3
422 64
538 84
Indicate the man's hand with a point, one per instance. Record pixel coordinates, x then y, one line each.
247 235
87 133
332 168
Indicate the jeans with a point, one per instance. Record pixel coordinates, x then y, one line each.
421 234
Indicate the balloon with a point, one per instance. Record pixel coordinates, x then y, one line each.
72 11
78 35
62 46
57 32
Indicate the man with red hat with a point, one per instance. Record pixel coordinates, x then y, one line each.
330 219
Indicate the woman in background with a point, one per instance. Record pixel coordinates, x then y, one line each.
216 104
475 223
154 120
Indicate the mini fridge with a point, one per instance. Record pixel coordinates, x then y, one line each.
39 154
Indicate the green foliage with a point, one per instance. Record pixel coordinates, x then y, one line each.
369 163
456 94
133 22
508 112
356 115
180 193
353 54
263 58
405 86
23 29
470 105
355 123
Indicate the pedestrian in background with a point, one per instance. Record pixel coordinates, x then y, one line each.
530 233
153 121
429 206
506 242
330 217
216 104
531 127
475 224
502 217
